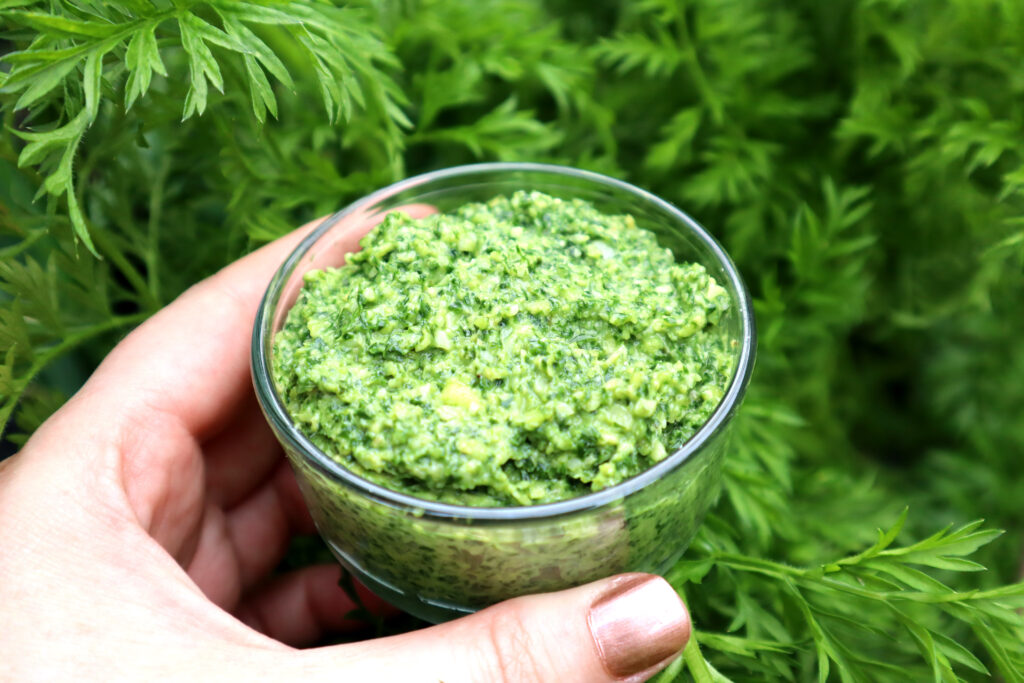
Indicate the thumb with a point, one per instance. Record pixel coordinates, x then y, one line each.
625 628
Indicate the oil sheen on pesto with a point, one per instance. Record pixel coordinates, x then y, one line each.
514 352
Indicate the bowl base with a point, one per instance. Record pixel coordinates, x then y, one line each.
434 611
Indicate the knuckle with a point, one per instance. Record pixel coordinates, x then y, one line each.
513 653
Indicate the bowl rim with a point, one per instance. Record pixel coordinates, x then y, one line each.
299 443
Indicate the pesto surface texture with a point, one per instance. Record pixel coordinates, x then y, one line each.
519 351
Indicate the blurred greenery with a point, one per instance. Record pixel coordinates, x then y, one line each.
862 160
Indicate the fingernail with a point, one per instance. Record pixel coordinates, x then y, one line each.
637 623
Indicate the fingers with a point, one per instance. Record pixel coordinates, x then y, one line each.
236 549
262 526
302 607
179 380
241 457
621 629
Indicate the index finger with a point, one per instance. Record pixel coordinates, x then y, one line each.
191 359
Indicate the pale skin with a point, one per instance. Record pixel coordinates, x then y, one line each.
140 523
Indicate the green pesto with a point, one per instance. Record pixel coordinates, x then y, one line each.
519 351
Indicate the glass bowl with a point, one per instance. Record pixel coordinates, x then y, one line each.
439 561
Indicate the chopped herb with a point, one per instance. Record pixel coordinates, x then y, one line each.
521 351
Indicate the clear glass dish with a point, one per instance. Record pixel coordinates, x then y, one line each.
439 561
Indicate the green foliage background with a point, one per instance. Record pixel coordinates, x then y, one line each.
862 160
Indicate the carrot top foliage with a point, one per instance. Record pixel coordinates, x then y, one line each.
862 160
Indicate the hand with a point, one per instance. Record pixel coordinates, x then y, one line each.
139 524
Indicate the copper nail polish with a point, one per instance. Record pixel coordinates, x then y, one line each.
638 622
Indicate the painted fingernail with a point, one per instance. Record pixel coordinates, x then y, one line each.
638 623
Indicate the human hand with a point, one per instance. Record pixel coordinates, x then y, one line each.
140 523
